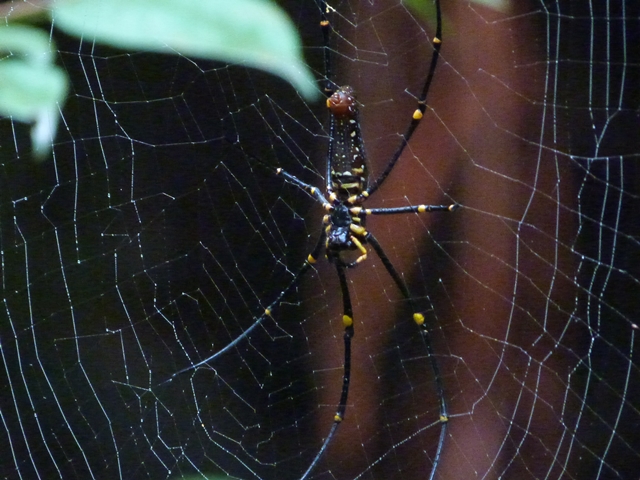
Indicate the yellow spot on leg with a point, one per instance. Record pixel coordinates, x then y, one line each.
436 40
311 259
347 321
417 115
418 318
337 418
267 312
444 418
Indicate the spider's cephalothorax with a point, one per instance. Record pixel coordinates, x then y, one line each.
347 171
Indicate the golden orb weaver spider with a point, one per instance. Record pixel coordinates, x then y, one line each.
347 188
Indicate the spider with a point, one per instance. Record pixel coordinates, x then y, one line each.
347 188
343 231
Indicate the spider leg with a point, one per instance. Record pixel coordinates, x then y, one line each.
363 254
359 246
325 26
419 319
418 113
304 186
347 320
408 209
309 262
315 192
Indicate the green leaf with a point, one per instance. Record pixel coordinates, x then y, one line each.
422 8
27 88
255 33
29 82
31 87
499 5
30 42
426 9
31 92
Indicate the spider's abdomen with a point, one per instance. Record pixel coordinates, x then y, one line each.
348 168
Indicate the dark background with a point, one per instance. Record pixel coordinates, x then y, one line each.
152 238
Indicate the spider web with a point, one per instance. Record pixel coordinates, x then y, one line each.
153 238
